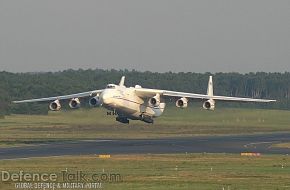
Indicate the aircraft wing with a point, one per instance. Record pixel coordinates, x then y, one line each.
64 97
206 97
146 93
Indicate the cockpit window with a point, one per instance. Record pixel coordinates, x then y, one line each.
110 86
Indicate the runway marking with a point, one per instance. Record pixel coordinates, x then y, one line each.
36 157
96 140
259 143
15 159
72 142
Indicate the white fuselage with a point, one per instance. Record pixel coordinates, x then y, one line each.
127 104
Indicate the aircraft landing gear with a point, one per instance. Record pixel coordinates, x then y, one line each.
147 119
124 120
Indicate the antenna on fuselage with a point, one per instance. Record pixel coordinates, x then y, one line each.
122 81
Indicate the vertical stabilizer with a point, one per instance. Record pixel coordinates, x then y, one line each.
122 81
210 87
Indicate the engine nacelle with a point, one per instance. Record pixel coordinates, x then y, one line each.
75 103
95 101
181 103
55 105
154 101
209 105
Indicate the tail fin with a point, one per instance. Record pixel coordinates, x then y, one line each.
210 87
122 81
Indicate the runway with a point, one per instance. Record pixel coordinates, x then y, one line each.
209 144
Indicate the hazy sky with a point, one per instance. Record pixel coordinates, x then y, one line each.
154 35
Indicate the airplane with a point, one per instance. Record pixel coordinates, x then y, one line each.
137 103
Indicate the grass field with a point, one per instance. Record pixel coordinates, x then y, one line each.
18 130
162 172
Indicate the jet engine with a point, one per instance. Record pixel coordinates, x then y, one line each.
55 106
154 101
74 103
209 105
95 101
181 103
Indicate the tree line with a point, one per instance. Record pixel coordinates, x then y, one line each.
18 86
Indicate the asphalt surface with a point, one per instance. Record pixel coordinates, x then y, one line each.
217 144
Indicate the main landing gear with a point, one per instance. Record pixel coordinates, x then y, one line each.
147 119
124 120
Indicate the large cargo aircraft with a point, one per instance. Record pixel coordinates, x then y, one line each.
137 103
